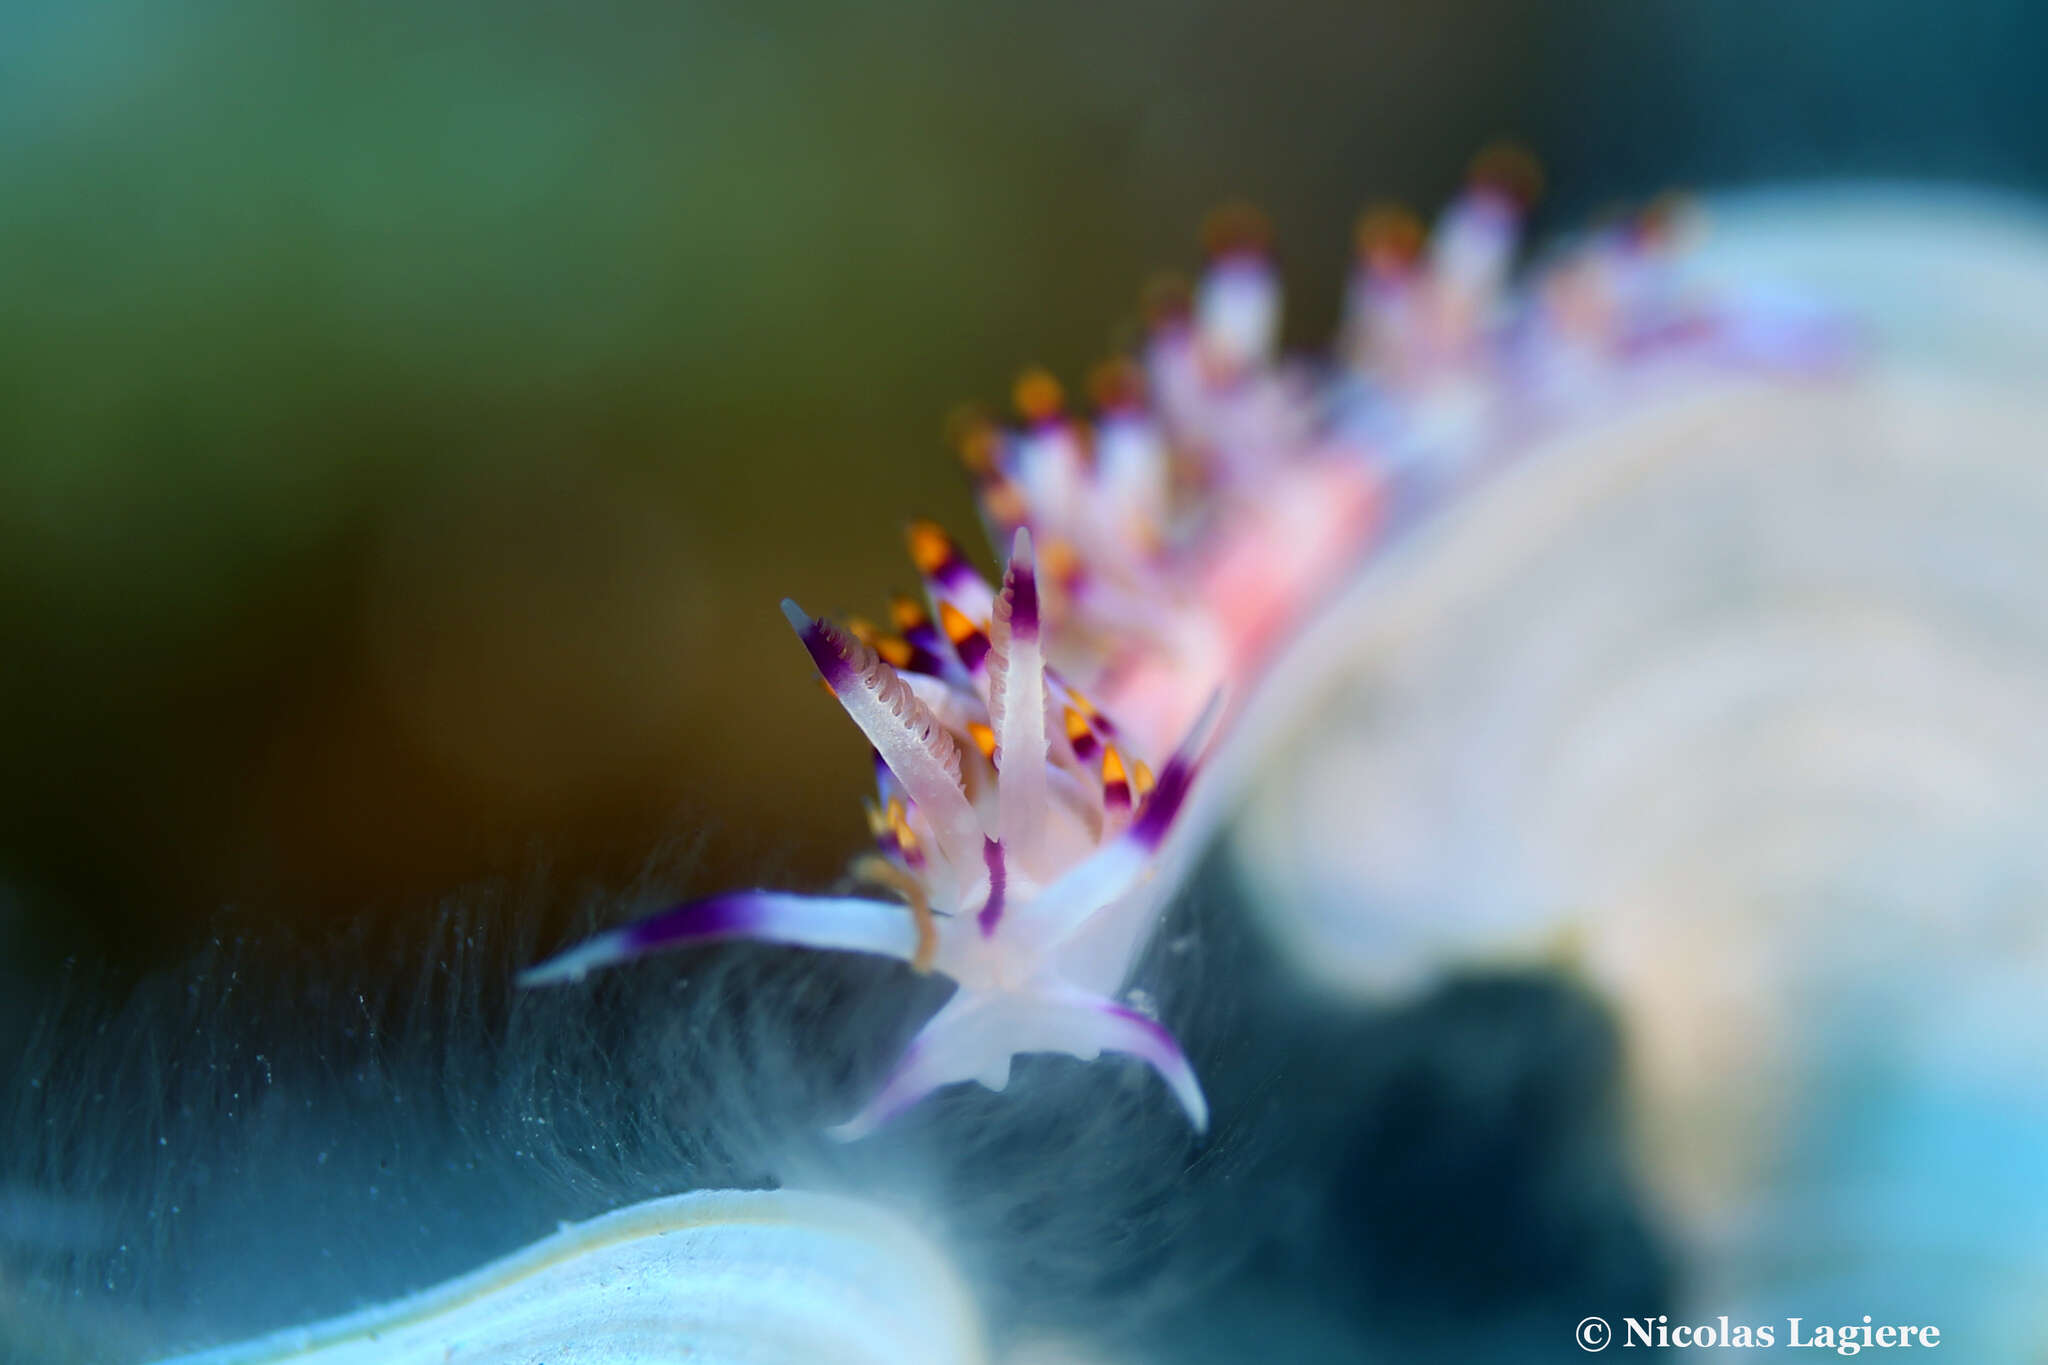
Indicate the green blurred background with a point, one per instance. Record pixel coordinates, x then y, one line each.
410 414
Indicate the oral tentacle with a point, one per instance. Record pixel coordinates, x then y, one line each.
962 1042
879 870
1088 1025
836 923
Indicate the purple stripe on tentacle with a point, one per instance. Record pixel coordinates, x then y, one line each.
1023 602
733 915
998 876
845 924
1164 1047
1160 809
1164 804
827 651
1150 1041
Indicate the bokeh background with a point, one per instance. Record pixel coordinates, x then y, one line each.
410 414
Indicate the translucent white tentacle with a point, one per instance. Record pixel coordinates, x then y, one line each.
842 923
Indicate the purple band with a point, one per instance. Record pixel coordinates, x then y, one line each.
1023 602
734 915
1164 803
992 913
1155 1032
828 654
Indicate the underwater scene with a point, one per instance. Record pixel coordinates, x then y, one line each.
1150 684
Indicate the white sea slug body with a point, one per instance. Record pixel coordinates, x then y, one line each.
1157 562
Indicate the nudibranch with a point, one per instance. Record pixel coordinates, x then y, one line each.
1158 558
1022 862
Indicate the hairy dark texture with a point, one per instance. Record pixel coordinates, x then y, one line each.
283 1131
287 1130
